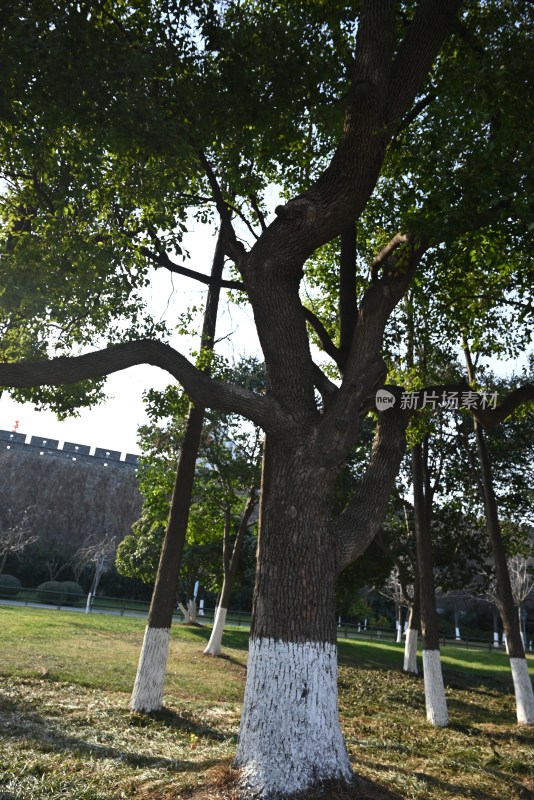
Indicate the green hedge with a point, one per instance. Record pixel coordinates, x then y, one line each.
9 586
73 593
52 592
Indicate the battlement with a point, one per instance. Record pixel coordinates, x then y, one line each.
49 448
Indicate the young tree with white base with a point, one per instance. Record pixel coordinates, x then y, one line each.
231 555
524 693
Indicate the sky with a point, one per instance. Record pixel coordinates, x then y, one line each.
113 425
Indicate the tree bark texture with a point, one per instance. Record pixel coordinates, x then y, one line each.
289 743
436 703
148 687
290 736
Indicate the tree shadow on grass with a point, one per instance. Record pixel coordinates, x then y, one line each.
171 719
20 721
454 790
478 713
223 783
522 735
231 660
478 683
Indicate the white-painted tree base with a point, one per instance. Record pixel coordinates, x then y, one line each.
190 613
410 651
147 693
290 738
524 695
214 644
436 704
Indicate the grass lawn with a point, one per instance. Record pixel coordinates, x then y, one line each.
66 731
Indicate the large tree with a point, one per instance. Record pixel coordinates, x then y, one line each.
117 118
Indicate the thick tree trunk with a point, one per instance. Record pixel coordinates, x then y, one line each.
290 737
436 704
147 694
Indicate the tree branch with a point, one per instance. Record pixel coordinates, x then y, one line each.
375 43
365 370
432 22
414 112
491 417
381 259
203 390
234 248
324 337
324 385
357 525
243 218
163 260
348 307
259 213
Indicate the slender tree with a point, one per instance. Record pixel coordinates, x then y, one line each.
524 692
231 555
147 694
436 704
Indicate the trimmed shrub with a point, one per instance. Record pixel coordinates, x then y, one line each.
9 586
73 593
51 592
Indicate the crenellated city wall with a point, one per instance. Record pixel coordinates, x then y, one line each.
49 448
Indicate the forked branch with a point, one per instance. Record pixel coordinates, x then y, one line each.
358 524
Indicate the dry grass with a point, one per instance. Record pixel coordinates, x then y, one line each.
66 732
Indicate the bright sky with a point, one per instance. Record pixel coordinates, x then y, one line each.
114 424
